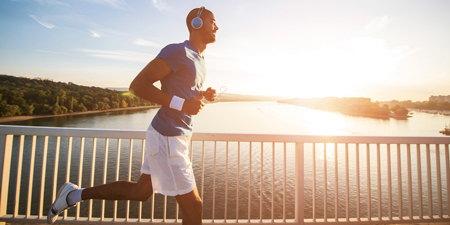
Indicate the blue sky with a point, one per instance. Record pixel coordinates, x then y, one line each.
380 49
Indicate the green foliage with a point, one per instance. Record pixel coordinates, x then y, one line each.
24 96
399 110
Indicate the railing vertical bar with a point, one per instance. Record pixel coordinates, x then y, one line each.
419 182
380 212
336 183
237 184
325 182
214 182
6 149
430 197
44 165
284 184
249 181
153 208
273 182
299 183
410 202
447 171
19 176
369 202
69 159
203 168
117 175
389 181
94 150
399 178
226 182
261 184
347 177
30 179
105 168
80 172
165 208
314 183
142 162
130 161
55 168
358 186
439 182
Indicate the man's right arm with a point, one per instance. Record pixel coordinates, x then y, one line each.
143 87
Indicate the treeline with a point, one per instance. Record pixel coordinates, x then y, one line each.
359 106
420 105
25 96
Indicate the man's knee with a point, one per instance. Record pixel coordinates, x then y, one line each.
143 197
198 204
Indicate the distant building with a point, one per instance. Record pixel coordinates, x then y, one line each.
440 98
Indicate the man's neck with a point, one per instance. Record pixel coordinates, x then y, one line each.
199 45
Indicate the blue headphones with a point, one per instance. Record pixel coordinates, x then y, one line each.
197 22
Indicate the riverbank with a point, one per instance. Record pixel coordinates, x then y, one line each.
21 118
438 112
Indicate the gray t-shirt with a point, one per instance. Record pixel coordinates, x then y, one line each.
185 81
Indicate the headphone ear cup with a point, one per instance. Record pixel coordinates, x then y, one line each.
197 23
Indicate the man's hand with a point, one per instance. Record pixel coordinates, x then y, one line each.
193 105
210 94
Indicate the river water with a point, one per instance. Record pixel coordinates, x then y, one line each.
242 117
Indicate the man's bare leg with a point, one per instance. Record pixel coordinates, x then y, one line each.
191 206
121 190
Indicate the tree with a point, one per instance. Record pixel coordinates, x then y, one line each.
399 110
28 109
123 104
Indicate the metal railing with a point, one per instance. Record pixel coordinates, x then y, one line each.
242 178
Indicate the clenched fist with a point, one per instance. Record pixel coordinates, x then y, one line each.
193 105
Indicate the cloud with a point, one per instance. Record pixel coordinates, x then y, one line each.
143 42
120 4
94 34
160 5
51 52
120 55
47 25
52 2
376 25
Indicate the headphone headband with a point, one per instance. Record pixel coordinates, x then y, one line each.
200 10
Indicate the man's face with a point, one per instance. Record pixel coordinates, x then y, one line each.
209 28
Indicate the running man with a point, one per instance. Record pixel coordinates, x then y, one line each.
167 169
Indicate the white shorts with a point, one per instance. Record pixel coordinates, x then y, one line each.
168 163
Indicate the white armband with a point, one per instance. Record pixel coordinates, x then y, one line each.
176 103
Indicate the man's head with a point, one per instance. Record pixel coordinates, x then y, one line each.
207 32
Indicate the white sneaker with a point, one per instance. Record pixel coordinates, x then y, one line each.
60 203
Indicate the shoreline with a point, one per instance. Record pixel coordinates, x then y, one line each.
375 116
22 118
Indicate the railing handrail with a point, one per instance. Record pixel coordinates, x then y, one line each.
136 134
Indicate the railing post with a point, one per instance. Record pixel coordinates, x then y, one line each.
5 164
299 183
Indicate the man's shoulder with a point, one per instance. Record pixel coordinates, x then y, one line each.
174 48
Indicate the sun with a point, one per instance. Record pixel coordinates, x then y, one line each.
340 70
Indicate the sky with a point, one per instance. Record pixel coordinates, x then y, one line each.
384 50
